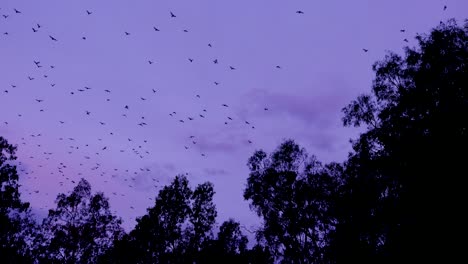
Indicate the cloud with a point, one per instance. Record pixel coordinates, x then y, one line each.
221 142
311 117
170 167
214 172
312 109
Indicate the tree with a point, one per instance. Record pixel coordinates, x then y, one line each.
123 251
293 194
202 218
230 246
405 175
15 224
158 235
231 240
259 254
80 229
178 228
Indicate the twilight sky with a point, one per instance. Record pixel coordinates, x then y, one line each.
67 77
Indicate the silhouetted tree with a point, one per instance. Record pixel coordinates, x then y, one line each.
202 218
158 235
178 228
259 254
80 229
230 246
231 240
293 195
123 251
404 192
15 223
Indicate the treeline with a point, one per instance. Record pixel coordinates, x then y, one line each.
398 198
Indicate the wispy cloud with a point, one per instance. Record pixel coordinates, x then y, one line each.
214 172
221 142
312 110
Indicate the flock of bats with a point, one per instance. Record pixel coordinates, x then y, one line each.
138 147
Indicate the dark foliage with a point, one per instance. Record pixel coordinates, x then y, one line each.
405 177
15 221
80 229
293 194
230 245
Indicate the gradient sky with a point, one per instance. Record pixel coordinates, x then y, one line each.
322 68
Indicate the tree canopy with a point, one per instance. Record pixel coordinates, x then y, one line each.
80 229
14 222
406 171
292 193
401 184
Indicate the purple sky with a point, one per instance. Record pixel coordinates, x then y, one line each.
322 68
